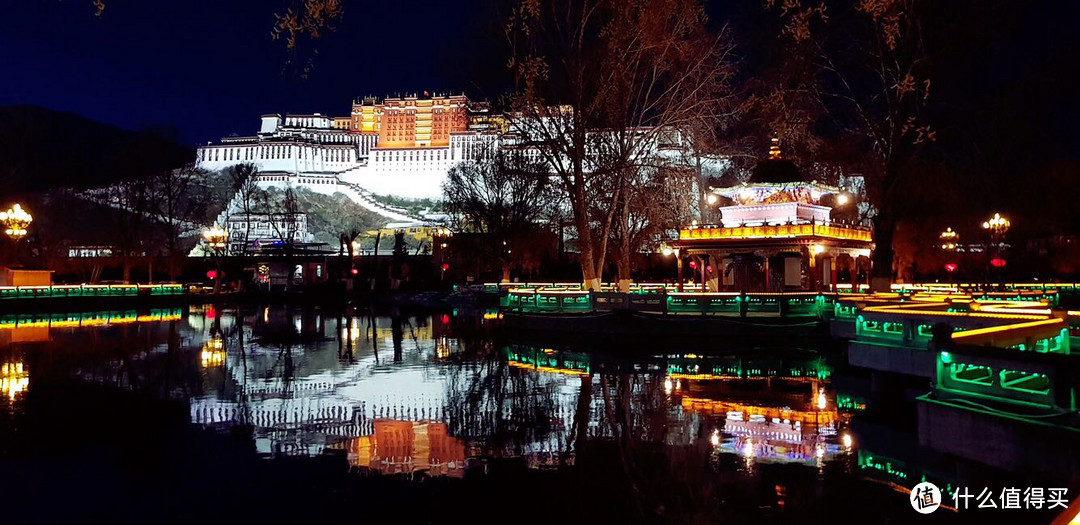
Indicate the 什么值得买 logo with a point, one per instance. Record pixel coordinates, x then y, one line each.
925 498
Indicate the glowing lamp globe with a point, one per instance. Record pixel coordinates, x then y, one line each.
212 274
354 271
997 262
950 267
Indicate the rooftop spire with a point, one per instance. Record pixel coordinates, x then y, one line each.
774 148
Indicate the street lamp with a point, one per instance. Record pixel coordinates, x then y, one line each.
15 221
997 226
949 239
216 238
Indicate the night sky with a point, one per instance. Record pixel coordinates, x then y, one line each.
1004 70
209 67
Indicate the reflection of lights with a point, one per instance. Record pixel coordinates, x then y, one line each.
821 401
715 439
549 369
14 379
819 450
443 349
667 385
351 333
748 448
213 352
846 440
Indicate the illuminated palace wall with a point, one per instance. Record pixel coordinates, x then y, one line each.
411 121
401 146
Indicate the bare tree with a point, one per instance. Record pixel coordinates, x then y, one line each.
656 199
132 207
503 194
598 82
179 201
248 196
876 89
285 220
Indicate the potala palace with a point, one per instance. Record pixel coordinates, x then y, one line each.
395 146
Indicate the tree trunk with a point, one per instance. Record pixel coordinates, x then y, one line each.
882 269
589 274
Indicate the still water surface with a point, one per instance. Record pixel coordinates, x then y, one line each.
655 432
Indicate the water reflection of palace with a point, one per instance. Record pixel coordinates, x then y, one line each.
402 447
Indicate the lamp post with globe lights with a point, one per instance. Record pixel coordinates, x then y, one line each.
996 228
217 241
16 220
949 240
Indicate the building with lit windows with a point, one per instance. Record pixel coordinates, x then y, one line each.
401 146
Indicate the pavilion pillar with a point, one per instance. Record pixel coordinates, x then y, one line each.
768 275
832 272
811 273
678 265
854 271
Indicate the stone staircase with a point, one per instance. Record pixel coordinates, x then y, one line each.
367 201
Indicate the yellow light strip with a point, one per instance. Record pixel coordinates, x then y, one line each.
548 369
781 231
1058 325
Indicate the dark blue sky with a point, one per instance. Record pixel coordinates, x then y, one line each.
209 68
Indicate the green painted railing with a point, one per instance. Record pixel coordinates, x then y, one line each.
1047 381
540 300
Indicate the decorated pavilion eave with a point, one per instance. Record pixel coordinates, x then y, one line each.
763 193
774 244
774 237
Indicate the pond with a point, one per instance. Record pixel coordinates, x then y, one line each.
224 414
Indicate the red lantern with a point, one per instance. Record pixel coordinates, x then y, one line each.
354 271
212 274
950 267
708 268
445 267
693 264
997 262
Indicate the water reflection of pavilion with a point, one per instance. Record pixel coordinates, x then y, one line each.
769 406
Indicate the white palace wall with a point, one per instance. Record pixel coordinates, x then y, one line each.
307 152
